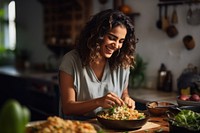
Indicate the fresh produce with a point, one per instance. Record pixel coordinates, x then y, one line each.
188 119
184 97
193 97
13 117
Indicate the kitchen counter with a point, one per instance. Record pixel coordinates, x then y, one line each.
31 84
143 95
153 125
38 90
29 73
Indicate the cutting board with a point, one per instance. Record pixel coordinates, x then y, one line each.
147 126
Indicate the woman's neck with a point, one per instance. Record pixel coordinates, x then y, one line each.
98 67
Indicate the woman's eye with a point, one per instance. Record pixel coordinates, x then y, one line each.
111 38
121 41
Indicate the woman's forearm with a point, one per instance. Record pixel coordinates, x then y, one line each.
80 107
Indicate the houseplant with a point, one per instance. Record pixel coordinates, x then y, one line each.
137 73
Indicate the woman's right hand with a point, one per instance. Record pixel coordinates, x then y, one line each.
110 100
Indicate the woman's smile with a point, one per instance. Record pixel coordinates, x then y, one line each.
109 49
113 41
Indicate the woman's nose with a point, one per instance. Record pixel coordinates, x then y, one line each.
116 45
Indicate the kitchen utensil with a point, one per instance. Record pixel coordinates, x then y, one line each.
189 14
174 18
123 124
156 108
193 16
171 30
188 42
159 21
165 21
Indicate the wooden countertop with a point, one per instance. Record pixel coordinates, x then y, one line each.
154 124
144 95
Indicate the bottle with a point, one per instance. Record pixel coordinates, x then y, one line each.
162 73
168 82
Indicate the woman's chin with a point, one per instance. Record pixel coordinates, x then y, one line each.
108 55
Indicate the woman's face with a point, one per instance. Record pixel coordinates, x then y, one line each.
113 41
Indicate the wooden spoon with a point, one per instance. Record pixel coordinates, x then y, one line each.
174 19
165 21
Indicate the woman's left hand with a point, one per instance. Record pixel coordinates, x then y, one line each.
129 102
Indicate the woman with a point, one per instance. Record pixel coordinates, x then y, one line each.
95 74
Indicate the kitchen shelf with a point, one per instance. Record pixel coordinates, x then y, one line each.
63 21
177 2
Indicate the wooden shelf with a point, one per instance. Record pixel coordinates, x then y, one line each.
176 2
63 21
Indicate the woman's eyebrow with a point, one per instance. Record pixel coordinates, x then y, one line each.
115 36
112 35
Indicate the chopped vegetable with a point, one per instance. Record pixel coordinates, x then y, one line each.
188 119
121 113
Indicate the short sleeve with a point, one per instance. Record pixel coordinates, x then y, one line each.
69 62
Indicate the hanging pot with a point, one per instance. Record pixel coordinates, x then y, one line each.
171 30
188 42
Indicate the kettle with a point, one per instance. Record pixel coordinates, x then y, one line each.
189 79
164 82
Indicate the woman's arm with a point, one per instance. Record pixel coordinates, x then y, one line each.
70 106
127 99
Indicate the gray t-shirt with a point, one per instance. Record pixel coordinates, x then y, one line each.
87 85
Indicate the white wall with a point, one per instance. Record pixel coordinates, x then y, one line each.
154 45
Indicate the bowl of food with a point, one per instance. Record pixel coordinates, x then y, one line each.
55 124
156 108
188 100
176 109
185 121
122 118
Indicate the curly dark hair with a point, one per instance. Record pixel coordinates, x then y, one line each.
92 35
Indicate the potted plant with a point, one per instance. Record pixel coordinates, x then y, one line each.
137 73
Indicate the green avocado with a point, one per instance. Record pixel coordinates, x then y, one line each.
13 117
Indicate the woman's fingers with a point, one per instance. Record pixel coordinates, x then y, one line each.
129 102
115 99
110 100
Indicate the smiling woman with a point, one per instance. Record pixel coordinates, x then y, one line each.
95 74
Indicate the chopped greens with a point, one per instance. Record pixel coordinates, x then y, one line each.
121 113
188 119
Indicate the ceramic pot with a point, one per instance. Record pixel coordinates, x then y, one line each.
188 42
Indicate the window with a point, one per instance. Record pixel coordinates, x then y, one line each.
7 26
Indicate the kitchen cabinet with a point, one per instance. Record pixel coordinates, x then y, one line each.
63 20
38 91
